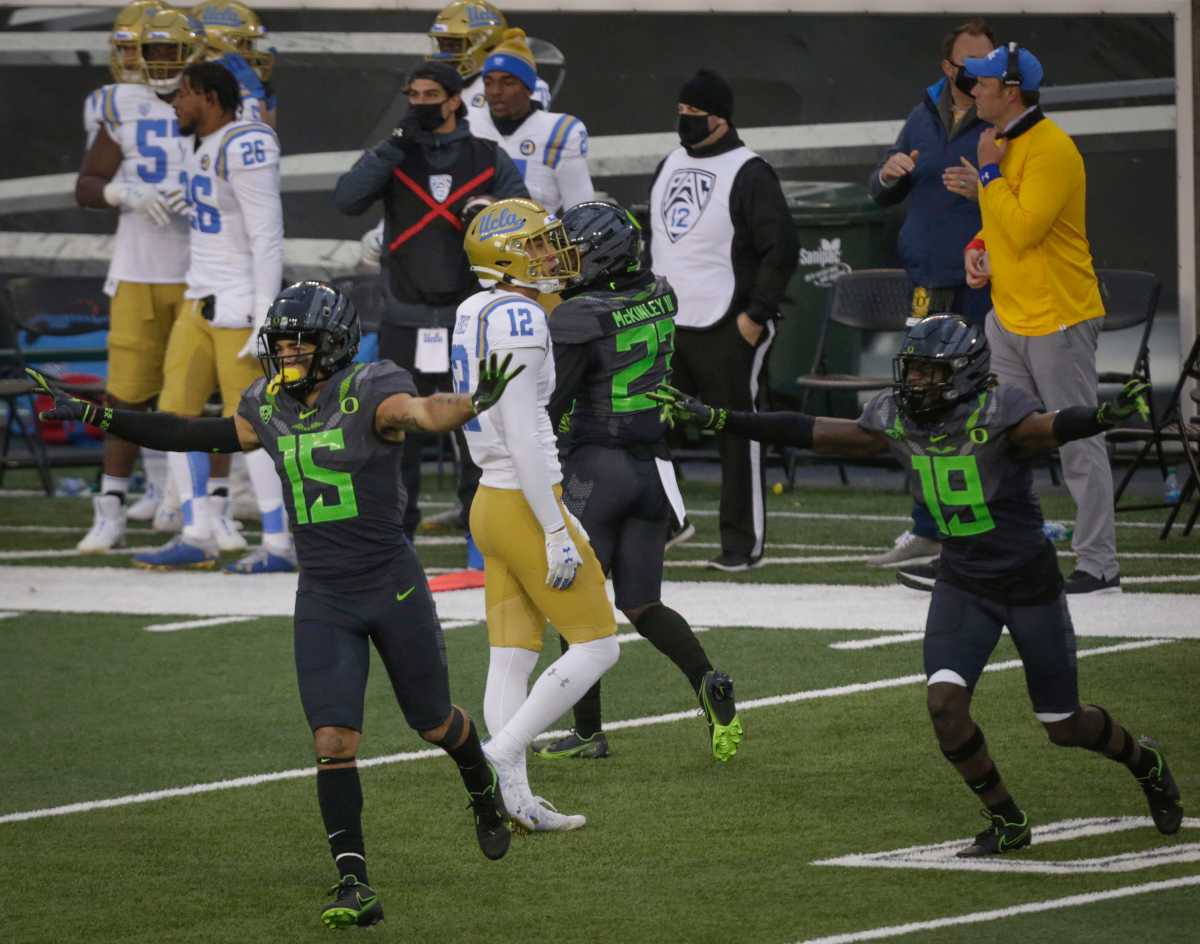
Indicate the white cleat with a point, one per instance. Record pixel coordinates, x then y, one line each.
226 529
168 516
548 819
108 526
145 508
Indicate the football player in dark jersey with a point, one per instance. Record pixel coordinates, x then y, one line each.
333 428
967 444
613 338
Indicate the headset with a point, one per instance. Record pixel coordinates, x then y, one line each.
1012 71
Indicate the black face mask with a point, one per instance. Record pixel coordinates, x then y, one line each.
692 129
427 117
963 82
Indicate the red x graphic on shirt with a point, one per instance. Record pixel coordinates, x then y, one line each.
435 209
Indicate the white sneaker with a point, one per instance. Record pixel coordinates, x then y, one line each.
145 507
108 526
227 530
514 787
548 819
909 548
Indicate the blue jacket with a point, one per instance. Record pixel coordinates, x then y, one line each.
939 223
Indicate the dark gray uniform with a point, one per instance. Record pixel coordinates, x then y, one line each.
610 350
997 569
360 579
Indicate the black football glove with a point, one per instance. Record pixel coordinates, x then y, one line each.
1131 399
678 407
66 407
493 378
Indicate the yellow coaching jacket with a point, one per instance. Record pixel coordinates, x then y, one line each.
1035 233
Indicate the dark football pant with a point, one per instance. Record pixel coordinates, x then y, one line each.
333 633
398 343
962 629
621 502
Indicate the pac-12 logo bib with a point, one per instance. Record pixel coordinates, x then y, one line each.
686 195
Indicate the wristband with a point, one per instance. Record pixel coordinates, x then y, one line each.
988 173
975 244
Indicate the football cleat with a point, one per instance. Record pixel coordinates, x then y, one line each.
178 554
445 521
144 508
491 819
909 548
999 837
720 711
734 563
527 813
226 529
680 533
572 745
108 526
918 576
354 905
546 818
1162 792
263 561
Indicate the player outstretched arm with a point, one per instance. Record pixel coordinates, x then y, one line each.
822 434
164 431
443 412
1048 430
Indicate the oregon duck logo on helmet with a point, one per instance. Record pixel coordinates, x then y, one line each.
519 242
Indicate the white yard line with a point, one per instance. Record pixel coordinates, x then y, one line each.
980 917
198 624
650 720
875 641
8 615
776 561
855 516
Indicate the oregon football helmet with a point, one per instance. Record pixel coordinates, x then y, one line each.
942 362
315 313
608 238
233 27
464 33
171 41
520 242
125 53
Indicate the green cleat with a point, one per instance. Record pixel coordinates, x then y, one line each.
572 745
724 725
356 905
999 837
1162 792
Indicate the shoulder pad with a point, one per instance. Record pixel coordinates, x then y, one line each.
247 144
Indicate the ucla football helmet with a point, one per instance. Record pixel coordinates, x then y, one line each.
315 313
464 33
231 26
171 41
125 53
519 242
943 361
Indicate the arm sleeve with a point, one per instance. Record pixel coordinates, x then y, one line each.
889 195
761 208
778 429
508 181
574 179
171 433
518 414
366 181
570 366
262 214
1050 177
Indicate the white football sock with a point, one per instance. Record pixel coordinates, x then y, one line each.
154 464
114 484
509 669
190 472
268 493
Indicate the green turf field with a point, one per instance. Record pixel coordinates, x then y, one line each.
225 842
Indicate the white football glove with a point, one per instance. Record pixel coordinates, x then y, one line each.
140 199
562 559
372 247
261 307
176 202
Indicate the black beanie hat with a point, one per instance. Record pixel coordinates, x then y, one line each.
445 76
709 92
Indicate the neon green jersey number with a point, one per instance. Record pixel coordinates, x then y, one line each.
939 490
298 461
652 335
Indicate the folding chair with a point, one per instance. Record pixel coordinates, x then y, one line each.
872 300
1187 431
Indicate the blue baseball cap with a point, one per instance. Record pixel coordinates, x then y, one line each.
995 65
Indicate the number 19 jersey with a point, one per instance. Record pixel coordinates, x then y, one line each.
977 486
503 321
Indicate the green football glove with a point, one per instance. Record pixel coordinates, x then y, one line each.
66 407
1131 399
493 378
678 407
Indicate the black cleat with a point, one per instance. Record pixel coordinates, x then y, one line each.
999 837
593 746
354 905
720 711
1162 792
918 576
491 819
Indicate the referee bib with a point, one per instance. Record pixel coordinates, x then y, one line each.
693 232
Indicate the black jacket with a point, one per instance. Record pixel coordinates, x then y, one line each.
765 247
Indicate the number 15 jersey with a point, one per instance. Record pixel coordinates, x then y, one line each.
977 486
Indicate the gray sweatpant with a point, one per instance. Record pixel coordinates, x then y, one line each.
1060 370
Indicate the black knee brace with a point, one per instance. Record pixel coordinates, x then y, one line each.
967 749
1101 742
454 730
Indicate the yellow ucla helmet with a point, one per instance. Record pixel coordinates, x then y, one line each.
125 54
171 41
519 242
464 33
233 27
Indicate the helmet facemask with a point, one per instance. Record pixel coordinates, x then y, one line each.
924 386
170 43
516 242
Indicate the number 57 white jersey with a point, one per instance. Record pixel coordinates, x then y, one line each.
501 321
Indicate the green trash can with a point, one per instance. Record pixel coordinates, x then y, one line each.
840 229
